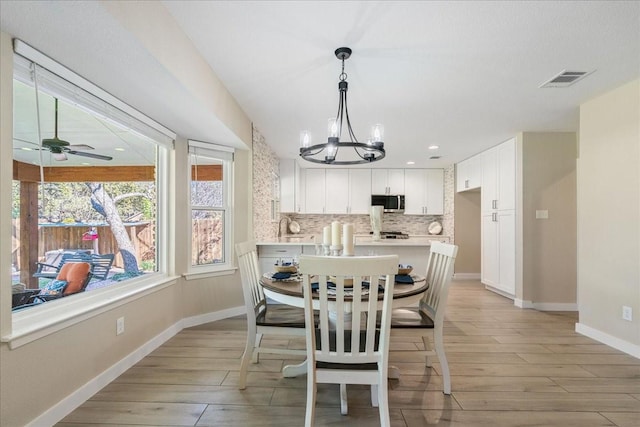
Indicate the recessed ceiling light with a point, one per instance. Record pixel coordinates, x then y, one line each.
411 163
119 149
26 149
86 164
434 147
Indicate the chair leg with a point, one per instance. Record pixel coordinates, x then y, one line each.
444 365
374 395
249 354
383 400
427 347
311 398
344 407
256 354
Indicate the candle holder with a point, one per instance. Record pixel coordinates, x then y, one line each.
326 250
336 250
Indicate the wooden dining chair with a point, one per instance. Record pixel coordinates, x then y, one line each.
345 346
263 318
429 314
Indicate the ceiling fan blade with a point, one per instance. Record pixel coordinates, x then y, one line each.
59 156
93 156
82 147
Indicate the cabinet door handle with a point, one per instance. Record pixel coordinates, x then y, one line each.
466 183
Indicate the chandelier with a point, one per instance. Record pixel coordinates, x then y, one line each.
363 152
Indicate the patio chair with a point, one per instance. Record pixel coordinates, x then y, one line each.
49 270
73 278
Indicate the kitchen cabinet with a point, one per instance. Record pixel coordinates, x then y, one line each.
359 191
387 181
469 174
314 191
291 186
499 177
498 251
498 217
424 191
269 255
336 193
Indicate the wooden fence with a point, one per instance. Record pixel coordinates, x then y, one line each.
69 237
52 237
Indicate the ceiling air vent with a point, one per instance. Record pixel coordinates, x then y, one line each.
566 78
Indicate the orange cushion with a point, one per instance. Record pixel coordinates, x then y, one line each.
75 273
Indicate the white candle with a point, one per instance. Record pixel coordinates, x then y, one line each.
326 235
347 239
335 233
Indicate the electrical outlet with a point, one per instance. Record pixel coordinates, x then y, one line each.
120 326
627 313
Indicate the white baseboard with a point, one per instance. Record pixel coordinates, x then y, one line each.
522 303
212 317
546 306
610 340
67 405
466 276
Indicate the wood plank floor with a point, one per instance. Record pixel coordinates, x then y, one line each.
509 367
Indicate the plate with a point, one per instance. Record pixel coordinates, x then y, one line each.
434 228
294 227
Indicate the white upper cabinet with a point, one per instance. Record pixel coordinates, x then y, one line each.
469 174
359 191
289 186
336 191
499 177
315 191
387 181
424 191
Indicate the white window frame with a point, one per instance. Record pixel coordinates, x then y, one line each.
32 324
226 156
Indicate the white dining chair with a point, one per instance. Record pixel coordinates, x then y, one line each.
345 346
429 314
263 318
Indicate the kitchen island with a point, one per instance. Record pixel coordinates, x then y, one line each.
413 251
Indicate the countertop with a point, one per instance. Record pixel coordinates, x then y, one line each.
361 240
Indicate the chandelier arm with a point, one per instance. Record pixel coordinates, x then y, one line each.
352 135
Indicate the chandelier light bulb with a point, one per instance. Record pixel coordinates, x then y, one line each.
377 133
333 128
305 139
332 149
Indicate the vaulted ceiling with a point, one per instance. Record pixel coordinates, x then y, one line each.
461 75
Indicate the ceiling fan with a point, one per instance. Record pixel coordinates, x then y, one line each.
60 148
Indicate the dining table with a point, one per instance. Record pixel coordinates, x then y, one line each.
407 292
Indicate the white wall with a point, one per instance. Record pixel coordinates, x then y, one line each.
609 217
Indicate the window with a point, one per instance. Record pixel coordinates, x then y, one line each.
210 185
89 178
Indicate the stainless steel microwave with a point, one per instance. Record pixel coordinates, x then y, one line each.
391 203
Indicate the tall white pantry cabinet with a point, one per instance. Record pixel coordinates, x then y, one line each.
498 222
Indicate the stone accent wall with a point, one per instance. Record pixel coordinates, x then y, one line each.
266 167
449 194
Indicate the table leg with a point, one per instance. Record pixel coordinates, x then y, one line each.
291 371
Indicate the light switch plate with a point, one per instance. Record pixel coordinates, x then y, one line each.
542 214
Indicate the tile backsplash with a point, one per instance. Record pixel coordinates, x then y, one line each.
410 224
